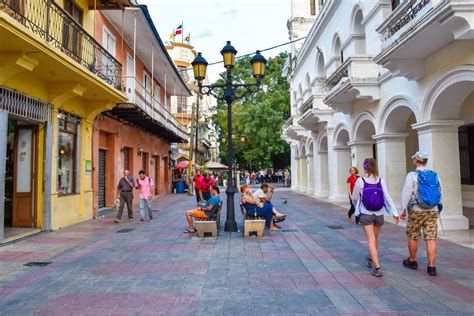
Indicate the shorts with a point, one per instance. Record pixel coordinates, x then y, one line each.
428 220
376 220
198 213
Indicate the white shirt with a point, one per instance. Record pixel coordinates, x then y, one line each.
359 206
258 195
410 190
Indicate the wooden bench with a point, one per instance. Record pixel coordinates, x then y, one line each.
253 225
208 227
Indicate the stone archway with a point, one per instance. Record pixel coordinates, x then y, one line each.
322 178
310 163
448 104
362 144
341 162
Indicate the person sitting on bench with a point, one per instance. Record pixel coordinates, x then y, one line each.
207 211
252 208
262 196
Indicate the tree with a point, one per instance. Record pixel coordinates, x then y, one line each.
259 116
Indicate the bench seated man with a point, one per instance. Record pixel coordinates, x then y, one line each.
263 196
207 211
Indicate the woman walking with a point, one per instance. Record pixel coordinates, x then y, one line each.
372 200
351 180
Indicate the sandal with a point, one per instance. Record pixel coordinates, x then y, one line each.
188 231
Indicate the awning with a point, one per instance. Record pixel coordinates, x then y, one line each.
216 166
136 116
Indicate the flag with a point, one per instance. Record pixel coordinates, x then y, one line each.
172 36
188 38
179 30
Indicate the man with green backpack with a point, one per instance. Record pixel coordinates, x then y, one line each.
421 203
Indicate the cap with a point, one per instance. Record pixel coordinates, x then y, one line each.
420 156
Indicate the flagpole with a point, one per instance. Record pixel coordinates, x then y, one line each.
182 32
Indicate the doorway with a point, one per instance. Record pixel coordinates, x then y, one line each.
102 178
20 178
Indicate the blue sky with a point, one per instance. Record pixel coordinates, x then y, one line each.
249 24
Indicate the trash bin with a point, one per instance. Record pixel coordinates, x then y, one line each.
180 187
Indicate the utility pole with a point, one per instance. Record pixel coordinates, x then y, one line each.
191 152
198 94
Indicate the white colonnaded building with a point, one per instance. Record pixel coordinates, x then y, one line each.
383 79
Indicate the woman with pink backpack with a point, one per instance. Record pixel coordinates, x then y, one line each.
372 200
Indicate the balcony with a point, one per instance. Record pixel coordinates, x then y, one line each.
48 21
145 111
355 79
417 29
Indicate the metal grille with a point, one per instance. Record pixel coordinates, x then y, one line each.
126 159
102 161
53 24
24 106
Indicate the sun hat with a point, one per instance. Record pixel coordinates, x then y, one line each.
420 156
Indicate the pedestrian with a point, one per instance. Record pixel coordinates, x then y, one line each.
197 181
287 176
125 194
205 185
144 185
371 199
208 210
351 180
421 199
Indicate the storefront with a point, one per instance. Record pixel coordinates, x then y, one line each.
25 142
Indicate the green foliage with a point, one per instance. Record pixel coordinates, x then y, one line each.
259 116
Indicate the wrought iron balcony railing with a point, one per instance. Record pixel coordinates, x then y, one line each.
406 14
336 77
152 106
53 24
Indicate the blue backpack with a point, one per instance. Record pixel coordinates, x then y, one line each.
429 194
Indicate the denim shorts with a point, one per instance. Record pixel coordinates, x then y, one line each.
371 220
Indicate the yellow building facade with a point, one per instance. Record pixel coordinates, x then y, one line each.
54 80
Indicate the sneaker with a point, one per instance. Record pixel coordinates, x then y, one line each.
117 221
130 219
377 272
431 271
408 263
141 221
151 219
370 263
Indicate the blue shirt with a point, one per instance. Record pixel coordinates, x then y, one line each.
214 201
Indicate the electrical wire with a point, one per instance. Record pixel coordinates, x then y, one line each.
250 54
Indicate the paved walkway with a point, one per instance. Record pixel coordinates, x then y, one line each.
314 266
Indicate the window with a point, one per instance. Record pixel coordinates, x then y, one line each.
466 153
313 6
147 87
181 104
395 4
126 158
145 162
158 93
67 153
109 43
183 72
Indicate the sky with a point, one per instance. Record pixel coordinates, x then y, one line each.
249 24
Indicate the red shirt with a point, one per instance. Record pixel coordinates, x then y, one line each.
205 186
352 180
197 181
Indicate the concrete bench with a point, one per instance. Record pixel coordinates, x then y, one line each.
253 225
208 227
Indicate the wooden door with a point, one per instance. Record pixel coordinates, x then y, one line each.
24 184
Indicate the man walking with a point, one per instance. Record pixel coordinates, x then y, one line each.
421 199
125 194
197 183
144 185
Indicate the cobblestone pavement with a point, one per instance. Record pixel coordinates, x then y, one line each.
314 266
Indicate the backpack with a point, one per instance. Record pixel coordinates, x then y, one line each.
372 196
429 194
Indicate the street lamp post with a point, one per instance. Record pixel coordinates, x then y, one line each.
229 88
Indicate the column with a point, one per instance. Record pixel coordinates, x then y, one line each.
310 162
304 173
3 154
322 185
391 159
341 165
359 151
298 173
48 180
294 167
439 139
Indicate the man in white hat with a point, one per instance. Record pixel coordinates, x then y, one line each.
421 202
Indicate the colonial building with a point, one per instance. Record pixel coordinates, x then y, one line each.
383 79
185 108
138 133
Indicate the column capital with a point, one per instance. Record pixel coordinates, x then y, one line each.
438 126
361 143
390 137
